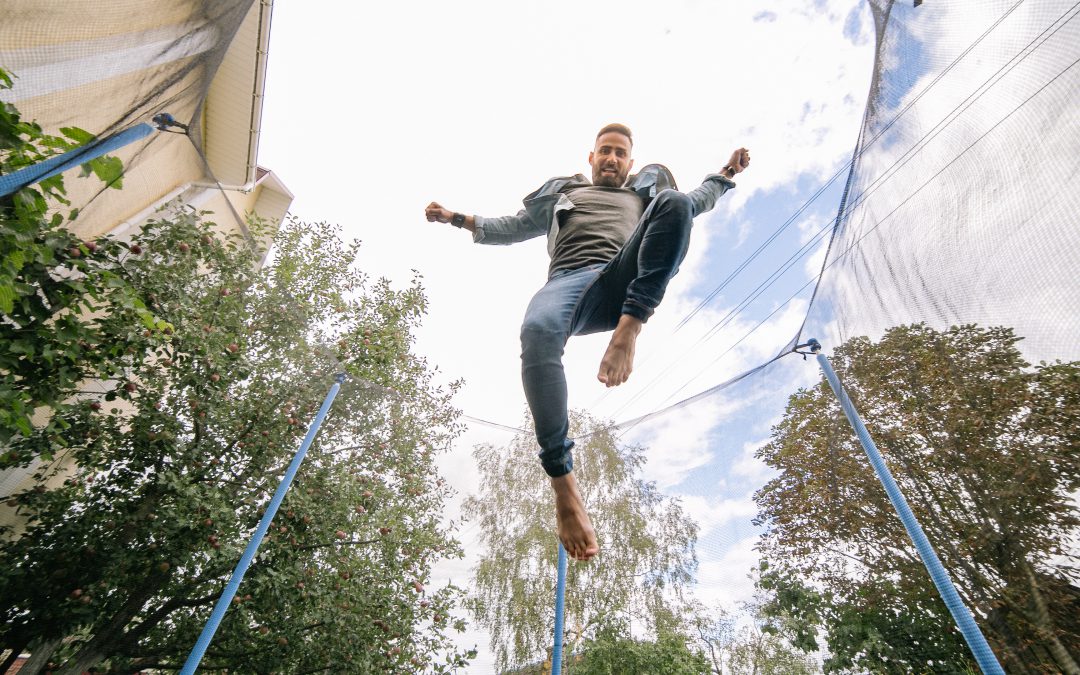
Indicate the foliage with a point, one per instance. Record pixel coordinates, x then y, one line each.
646 547
612 652
985 449
748 643
160 473
47 280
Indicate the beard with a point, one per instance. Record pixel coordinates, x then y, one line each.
603 180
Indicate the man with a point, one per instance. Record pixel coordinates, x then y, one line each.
614 245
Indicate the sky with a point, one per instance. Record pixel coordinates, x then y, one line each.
373 111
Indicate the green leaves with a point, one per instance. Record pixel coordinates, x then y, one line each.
80 136
207 374
614 652
109 170
46 273
637 527
159 388
984 449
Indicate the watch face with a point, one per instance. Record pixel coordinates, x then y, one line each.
458 219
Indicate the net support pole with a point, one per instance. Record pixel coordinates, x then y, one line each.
195 657
13 182
976 641
560 596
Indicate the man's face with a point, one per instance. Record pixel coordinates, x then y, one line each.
610 160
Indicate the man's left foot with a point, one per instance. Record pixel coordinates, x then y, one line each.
618 360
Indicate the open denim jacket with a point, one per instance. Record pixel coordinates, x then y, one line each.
542 207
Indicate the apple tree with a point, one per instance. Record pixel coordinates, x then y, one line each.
158 388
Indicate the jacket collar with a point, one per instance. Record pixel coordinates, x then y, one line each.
647 183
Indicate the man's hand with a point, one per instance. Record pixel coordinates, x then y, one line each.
740 159
437 214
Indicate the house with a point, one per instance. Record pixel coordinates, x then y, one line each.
104 68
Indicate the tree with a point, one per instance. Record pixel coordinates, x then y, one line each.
646 543
44 331
207 371
748 643
611 652
984 447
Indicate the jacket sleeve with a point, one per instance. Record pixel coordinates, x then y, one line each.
705 195
506 229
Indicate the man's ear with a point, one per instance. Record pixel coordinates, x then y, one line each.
630 166
590 158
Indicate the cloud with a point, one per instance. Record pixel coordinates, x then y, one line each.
711 514
725 581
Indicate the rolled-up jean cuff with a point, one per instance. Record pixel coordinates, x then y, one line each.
637 311
558 467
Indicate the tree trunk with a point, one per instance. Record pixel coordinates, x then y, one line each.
1041 617
39 657
97 649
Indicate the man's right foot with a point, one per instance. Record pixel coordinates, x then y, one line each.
575 530
618 360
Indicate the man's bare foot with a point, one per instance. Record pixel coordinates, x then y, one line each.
618 360
575 529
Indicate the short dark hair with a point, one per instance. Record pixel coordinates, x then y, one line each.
619 129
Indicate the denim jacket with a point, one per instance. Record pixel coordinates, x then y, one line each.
542 207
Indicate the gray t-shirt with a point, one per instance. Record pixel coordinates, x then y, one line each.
597 227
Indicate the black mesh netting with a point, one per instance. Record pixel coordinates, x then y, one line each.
946 299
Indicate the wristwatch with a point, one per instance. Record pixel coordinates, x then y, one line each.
458 220
728 168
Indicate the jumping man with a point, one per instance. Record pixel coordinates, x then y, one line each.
614 243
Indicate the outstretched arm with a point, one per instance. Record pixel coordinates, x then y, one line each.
716 184
504 230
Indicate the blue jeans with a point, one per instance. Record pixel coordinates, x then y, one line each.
591 300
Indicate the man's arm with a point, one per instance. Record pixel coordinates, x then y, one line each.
715 185
504 230
435 213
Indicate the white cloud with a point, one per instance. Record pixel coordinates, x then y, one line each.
725 581
749 467
711 514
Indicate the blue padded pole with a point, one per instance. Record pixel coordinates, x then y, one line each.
560 595
976 641
212 624
13 182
